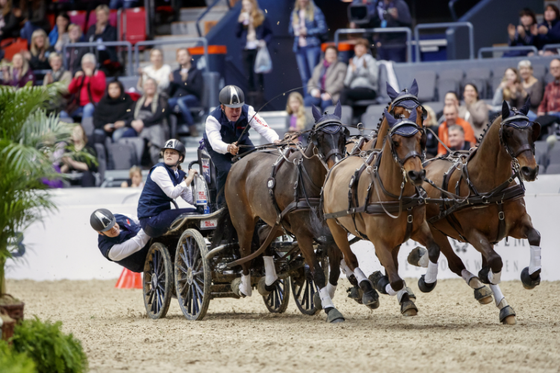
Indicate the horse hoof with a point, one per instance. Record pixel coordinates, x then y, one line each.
371 299
483 295
528 282
379 281
317 301
507 316
355 293
415 256
235 287
334 316
263 289
410 293
408 308
483 275
424 286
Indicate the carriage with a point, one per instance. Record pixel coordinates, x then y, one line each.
182 265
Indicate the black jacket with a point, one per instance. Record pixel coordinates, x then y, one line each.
192 86
108 34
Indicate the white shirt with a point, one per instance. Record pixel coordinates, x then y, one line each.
257 122
161 76
160 176
127 248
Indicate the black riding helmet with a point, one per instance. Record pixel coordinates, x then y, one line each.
175 145
102 220
232 96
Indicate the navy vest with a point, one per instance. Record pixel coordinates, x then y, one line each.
129 229
153 200
230 131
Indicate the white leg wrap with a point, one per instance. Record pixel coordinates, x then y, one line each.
390 290
498 296
424 260
431 273
494 278
471 279
331 289
245 285
269 270
535 264
359 275
326 300
466 275
347 271
401 293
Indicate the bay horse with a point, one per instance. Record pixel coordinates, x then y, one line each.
484 204
382 204
288 199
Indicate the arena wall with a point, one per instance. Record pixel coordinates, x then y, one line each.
64 246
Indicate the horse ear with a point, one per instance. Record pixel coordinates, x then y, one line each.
525 108
316 113
338 110
390 119
505 110
414 88
391 92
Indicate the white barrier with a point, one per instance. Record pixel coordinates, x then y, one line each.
65 247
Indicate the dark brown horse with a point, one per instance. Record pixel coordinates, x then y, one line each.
288 199
485 204
382 205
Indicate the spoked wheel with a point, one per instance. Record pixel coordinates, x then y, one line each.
277 300
158 281
304 288
192 275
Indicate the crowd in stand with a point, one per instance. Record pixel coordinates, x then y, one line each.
531 33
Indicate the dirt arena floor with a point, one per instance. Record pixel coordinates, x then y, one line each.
452 332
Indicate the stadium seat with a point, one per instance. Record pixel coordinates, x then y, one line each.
479 76
123 155
78 17
449 80
102 162
426 84
133 25
87 124
113 18
138 144
16 46
437 106
541 148
346 116
371 117
553 157
539 71
553 169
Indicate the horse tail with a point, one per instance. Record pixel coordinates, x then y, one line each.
225 231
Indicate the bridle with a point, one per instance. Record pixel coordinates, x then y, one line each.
519 122
330 127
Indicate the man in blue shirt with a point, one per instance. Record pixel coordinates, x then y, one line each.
121 239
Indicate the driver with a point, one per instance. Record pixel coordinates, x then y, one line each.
166 181
121 239
225 125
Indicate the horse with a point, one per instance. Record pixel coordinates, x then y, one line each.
288 199
392 210
483 204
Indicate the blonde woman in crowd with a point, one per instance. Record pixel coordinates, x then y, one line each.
135 180
157 70
474 110
18 74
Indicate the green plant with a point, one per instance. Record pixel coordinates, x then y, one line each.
14 362
49 347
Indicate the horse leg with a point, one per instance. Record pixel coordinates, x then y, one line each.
335 258
530 276
428 282
350 264
354 292
242 287
268 283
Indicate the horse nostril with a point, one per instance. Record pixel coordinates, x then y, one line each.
413 175
526 170
423 173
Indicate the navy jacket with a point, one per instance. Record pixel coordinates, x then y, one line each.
231 131
192 86
553 35
129 229
316 29
263 31
153 200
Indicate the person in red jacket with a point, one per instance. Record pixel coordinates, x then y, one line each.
88 86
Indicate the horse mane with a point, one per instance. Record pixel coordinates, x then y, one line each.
484 131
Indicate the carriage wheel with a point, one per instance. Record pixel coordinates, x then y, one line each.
304 288
278 299
192 275
158 281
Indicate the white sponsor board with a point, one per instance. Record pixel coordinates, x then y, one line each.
65 247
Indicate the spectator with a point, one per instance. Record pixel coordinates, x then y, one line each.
60 75
307 25
452 118
327 80
450 98
135 180
39 52
112 113
157 71
18 74
12 20
103 31
79 163
474 110
74 54
549 29
510 90
362 14
524 34
59 34
88 87
361 77
549 109
531 85
431 141
296 120
186 88
456 138
148 119
35 11
126 4
392 13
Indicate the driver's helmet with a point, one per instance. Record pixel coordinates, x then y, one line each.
102 220
175 145
232 96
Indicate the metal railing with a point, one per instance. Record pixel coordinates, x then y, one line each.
170 41
508 49
206 11
405 30
451 6
550 46
103 44
427 26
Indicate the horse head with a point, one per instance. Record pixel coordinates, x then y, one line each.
329 136
518 135
407 142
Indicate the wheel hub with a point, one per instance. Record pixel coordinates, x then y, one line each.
154 280
190 276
